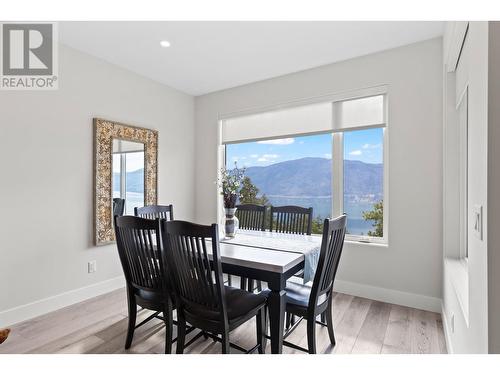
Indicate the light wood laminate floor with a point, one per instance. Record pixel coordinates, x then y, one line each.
99 325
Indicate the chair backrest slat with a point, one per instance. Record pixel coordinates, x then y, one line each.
155 212
197 280
137 240
118 206
251 216
291 219
329 258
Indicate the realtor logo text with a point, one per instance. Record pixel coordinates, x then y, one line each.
28 56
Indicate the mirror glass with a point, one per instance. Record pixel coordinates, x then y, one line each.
128 176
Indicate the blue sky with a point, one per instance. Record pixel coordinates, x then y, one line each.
363 145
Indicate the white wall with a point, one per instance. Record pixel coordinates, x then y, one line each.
465 289
46 183
409 269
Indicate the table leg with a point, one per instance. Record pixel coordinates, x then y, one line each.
276 303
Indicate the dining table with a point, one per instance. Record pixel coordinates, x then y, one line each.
273 258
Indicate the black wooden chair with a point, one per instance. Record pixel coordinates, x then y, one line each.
291 219
310 301
155 212
202 299
145 275
118 206
251 216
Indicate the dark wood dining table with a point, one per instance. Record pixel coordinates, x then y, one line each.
273 266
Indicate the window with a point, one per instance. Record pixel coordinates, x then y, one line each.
134 172
341 169
363 199
128 174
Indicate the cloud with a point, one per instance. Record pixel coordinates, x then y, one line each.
265 157
355 153
282 141
371 146
328 156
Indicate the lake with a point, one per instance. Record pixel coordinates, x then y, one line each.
321 209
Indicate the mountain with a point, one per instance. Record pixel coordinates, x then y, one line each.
300 177
363 178
306 177
135 181
312 177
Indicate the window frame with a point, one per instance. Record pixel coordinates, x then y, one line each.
337 153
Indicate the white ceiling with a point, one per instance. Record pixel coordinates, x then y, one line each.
211 56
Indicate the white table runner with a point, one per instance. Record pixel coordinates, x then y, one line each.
309 246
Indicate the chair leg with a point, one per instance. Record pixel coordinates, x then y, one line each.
169 326
261 321
251 283
229 280
311 334
132 316
225 343
243 283
259 286
181 332
323 318
329 321
288 320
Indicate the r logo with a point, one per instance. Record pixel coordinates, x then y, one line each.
27 49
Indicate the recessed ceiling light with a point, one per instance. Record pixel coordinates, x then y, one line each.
165 43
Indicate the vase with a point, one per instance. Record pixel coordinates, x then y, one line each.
231 222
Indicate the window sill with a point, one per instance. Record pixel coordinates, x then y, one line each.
360 242
366 243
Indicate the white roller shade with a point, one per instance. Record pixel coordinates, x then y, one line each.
356 113
314 118
287 122
121 146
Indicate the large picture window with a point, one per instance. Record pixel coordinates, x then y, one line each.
339 168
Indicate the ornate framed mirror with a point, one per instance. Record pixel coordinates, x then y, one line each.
125 173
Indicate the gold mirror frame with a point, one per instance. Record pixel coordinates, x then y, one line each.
104 133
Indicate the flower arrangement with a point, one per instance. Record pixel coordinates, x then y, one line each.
229 184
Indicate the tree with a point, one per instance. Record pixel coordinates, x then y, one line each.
317 225
249 193
377 216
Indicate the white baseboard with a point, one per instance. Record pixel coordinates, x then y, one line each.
446 329
396 297
46 305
